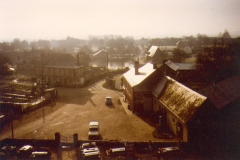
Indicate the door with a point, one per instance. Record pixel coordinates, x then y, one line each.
180 130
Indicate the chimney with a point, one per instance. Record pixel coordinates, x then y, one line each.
78 64
136 66
164 66
154 65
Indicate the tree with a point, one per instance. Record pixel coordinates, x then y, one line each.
226 34
4 60
17 44
220 61
24 44
44 44
179 55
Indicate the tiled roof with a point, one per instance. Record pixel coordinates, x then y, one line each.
180 100
224 92
135 79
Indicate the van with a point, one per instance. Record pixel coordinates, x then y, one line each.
116 151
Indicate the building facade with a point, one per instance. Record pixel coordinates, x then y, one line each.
61 70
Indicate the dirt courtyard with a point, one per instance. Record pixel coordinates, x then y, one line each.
72 112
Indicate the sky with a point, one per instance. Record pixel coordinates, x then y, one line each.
57 19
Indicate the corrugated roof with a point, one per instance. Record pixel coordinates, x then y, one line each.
224 92
180 100
135 79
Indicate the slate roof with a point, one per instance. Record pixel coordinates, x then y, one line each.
224 92
144 72
160 86
100 53
152 51
180 100
181 66
60 61
167 48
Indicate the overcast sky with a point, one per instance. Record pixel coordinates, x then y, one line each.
57 19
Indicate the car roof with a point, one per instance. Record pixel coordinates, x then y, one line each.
94 123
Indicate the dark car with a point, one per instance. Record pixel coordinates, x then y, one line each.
108 100
8 151
24 152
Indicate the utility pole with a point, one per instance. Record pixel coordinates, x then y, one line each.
107 64
42 88
122 60
12 120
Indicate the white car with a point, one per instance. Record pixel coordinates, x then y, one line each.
88 145
93 130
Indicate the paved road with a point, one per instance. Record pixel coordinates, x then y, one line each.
72 112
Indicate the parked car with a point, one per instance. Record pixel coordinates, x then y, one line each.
89 150
88 145
108 100
4 119
2 155
168 150
95 155
116 151
24 152
93 130
41 154
8 151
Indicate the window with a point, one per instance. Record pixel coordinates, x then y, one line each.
60 71
49 71
65 72
70 72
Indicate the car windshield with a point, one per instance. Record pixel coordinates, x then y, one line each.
93 129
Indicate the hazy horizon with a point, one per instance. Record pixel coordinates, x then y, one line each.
57 19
